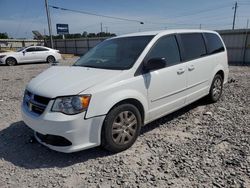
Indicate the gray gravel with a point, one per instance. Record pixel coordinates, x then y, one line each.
202 145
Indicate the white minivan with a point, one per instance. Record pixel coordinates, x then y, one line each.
122 84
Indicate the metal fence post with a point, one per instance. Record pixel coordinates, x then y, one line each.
245 48
65 46
88 43
75 47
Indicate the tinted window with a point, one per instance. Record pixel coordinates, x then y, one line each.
41 49
193 45
117 53
166 48
214 44
32 49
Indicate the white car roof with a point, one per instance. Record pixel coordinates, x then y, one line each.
165 32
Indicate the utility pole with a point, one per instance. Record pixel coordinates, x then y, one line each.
235 11
106 29
101 27
49 23
200 26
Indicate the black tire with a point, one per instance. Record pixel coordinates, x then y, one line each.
11 61
215 89
51 59
118 136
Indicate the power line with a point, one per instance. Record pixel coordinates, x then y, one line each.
200 11
94 14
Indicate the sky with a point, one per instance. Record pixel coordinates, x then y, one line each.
19 17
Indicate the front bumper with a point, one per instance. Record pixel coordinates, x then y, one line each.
2 61
82 133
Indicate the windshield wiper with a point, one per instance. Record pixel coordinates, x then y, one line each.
91 66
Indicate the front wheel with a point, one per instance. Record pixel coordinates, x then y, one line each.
216 88
11 61
121 128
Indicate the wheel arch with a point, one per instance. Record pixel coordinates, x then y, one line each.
219 69
102 106
134 102
50 55
10 57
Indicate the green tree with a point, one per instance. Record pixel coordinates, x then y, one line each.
4 36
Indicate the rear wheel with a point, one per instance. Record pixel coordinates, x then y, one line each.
121 128
51 59
216 88
11 61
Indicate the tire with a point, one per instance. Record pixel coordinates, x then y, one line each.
215 89
51 59
11 61
121 128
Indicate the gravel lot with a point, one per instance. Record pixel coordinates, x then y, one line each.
202 145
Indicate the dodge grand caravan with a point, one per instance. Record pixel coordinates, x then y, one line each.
122 84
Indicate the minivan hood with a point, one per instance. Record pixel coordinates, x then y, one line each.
68 80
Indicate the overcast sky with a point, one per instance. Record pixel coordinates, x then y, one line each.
19 17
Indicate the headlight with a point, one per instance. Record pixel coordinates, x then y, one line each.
2 56
72 104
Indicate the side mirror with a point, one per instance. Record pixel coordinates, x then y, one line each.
24 52
154 64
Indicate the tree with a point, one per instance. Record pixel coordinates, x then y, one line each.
84 34
4 36
91 35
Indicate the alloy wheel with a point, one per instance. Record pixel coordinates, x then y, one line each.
124 127
217 88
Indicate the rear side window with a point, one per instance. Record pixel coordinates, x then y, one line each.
214 44
41 49
167 48
194 45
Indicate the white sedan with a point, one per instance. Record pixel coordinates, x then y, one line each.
30 54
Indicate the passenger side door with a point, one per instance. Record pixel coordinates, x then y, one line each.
198 65
166 86
41 54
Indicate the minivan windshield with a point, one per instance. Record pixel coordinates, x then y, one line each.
118 53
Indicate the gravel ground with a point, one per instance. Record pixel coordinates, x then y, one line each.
202 145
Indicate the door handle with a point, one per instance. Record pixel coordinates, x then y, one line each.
181 71
191 67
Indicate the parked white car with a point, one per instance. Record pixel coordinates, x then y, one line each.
121 84
31 54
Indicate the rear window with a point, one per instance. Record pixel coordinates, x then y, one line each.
193 44
214 44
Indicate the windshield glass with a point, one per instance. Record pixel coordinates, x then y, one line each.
117 53
19 50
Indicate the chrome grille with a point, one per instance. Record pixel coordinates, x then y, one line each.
35 103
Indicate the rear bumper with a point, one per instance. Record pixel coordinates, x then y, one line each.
80 132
